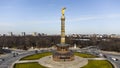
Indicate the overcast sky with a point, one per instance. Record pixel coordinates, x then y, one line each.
43 16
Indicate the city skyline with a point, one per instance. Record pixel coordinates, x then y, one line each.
43 16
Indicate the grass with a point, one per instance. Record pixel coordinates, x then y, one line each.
40 55
36 56
91 63
98 64
84 55
29 65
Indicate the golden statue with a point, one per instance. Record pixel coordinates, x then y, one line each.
63 11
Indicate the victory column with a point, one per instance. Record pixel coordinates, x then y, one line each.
63 53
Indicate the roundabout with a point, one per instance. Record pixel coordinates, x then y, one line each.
77 63
44 60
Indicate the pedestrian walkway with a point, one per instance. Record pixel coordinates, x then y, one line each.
48 62
96 58
26 61
77 63
108 52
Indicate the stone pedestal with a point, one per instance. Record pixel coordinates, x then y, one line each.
63 53
78 62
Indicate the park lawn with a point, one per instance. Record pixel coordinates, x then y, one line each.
40 55
36 56
84 55
91 63
98 64
28 65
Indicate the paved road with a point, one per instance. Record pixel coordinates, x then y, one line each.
110 56
10 59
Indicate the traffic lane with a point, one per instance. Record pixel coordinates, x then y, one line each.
10 58
109 57
9 55
114 57
9 62
116 62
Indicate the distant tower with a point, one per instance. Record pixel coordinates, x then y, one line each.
23 33
10 33
34 34
75 46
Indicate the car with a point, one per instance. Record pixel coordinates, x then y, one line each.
100 54
104 56
1 59
115 59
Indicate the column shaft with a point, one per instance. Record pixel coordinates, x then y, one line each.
62 30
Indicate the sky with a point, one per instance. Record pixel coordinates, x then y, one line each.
43 16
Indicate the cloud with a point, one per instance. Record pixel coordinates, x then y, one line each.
39 22
82 18
100 17
6 7
7 24
113 16
36 22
